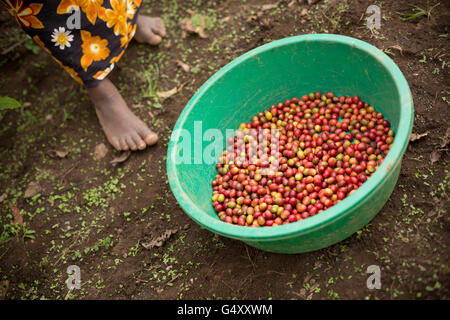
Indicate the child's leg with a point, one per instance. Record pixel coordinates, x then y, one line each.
91 51
122 128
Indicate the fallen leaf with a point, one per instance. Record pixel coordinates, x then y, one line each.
32 189
3 197
159 241
121 158
151 114
438 208
269 6
49 117
251 18
188 27
100 151
57 153
303 12
18 219
417 136
168 44
183 66
167 94
226 19
446 138
137 106
4 285
291 3
436 155
301 293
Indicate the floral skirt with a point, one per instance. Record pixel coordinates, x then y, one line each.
85 37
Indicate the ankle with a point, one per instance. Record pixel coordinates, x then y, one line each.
105 91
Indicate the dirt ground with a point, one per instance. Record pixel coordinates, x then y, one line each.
82 210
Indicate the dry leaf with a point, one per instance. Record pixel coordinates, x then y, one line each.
435 155
303 12
100 151
446 138
269 6
33 188
3 197
417 136
187 27
159 241
18 219
226 19
438 208
57 153
137 106
167 94
121 158
183 66
4 285
291 3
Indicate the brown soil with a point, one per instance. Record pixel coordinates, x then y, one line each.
111 220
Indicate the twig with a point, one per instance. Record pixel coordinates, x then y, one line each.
11 48
248 254
63 176
70 187
67 295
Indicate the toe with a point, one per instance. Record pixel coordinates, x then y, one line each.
150 138
131 143
115 142
154 39
141 145
124 145
160 28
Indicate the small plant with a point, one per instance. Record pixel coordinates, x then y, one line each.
418 12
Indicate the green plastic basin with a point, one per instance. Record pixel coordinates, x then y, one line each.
274 72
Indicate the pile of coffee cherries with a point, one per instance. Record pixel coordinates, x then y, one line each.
326 148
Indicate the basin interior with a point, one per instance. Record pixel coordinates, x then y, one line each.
260 79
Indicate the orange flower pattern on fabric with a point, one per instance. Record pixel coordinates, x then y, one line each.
117 58
88 52
125 40
117 17
94 49
25 14
92 8
72 72
41 44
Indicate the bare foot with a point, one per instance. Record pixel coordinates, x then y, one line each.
149 30
122 128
